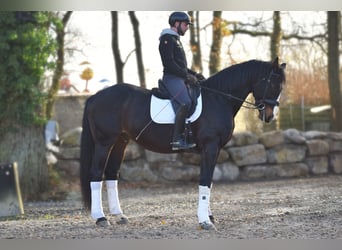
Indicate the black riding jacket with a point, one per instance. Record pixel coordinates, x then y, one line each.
172 54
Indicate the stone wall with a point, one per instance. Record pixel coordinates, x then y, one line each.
272 155
68 111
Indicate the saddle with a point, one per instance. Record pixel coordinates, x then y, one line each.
162 110
193 90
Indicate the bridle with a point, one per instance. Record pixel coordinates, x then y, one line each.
265 100
259 104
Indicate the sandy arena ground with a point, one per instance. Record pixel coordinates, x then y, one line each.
283 209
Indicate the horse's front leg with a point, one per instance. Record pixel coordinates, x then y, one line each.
208 161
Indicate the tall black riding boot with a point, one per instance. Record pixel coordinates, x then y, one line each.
178 141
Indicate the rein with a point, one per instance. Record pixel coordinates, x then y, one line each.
251 105
259 106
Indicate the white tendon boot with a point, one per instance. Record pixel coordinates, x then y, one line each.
203 208
113 201
96 203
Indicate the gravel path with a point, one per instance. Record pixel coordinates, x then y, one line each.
287 209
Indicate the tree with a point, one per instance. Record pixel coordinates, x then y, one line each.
60 26
257 29
215 50
276 35
334 27
138 52
195 42
26 46
119 64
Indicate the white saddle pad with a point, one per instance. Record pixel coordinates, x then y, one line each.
161 111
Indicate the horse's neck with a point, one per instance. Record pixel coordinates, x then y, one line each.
243 96
240 92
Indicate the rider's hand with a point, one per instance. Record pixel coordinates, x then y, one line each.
200 77
191 79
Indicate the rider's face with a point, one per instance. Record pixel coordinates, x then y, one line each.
182 27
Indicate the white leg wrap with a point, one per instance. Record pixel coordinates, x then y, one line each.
209 210
96 200
113 197
203 204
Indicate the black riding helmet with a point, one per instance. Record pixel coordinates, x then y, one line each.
179 16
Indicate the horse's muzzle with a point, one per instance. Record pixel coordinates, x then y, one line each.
268 109
267 113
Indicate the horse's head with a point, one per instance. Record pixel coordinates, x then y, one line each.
267 91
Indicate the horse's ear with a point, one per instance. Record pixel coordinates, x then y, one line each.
275 63
283 66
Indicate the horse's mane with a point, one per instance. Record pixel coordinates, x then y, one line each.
233 76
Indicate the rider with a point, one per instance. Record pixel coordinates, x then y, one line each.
176 74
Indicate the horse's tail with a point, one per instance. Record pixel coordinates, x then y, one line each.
86 157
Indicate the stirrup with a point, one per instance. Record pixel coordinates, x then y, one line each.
181 144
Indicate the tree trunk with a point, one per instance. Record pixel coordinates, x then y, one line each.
26 146
276 35
137 40
195 43
215 51
58 72
334 20
119 65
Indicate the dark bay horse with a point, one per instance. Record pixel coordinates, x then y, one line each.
120 113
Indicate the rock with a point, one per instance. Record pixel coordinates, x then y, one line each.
195 158
223 156
286 153
272 138
294 136
72 137
69 153
334 136
336 163
157 157
310 135
334 145
245 138
218 174
182 173
317 147
253 172
288 170
227 171
133 151
274 171
71 168
317 165
137 171
248 155
230 143
190 158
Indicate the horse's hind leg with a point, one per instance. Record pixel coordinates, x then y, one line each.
96 175
111 177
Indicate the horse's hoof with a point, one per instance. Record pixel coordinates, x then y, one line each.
122 220
102 222
207 225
